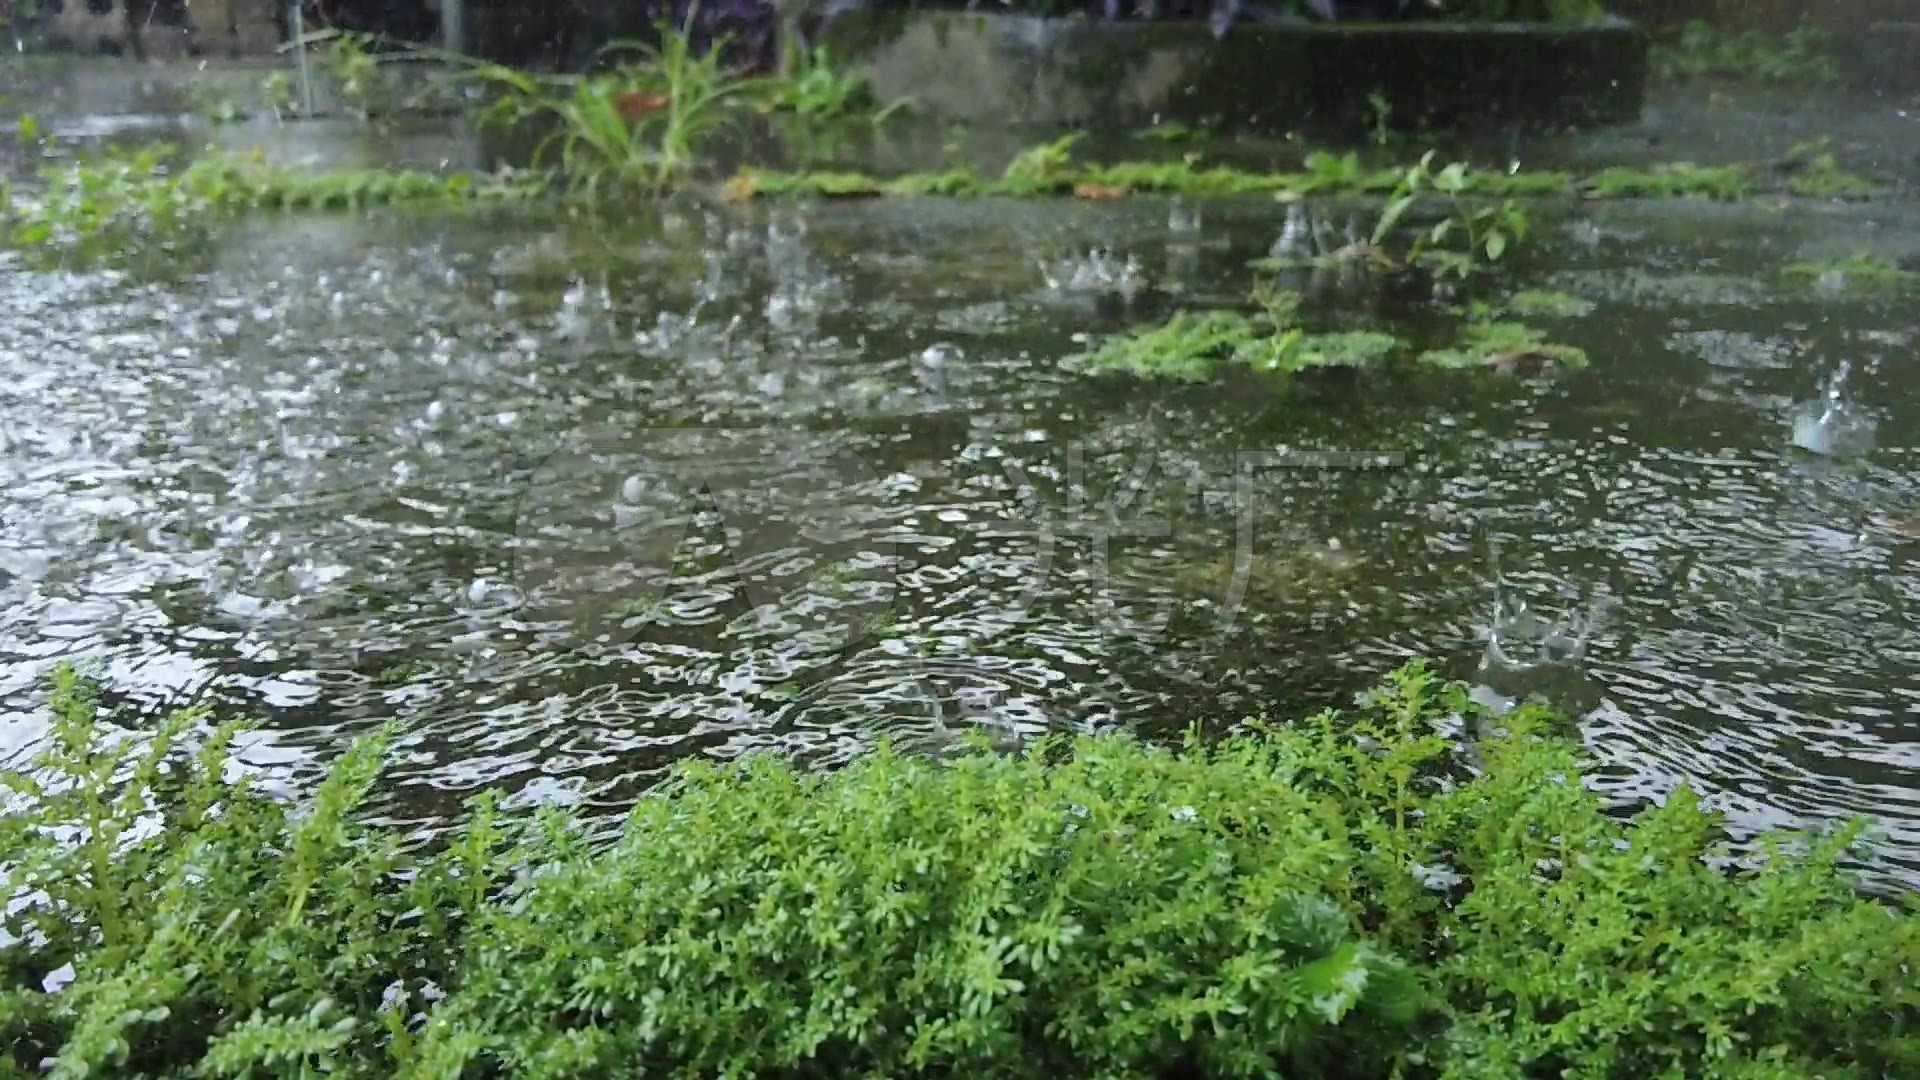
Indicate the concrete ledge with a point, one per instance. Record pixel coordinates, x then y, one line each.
1273 76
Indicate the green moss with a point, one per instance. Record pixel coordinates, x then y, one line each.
1680 179
1861 272
1543 304
1505 347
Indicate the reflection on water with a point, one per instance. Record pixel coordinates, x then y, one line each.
572 499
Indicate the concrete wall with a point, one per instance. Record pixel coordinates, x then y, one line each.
78 26
1838 16
236 27
212 28
1273 77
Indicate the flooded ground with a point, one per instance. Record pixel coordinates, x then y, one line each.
569 499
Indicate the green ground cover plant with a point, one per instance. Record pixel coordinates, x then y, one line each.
1861 272
1352 894
108 201
1504 346
1801 57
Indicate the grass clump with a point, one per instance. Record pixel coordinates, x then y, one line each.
1342 896
1859 272
1800 57
1506 347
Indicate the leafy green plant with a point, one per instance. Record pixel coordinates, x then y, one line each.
1381 111
276 92
683 97
1352 894
1470 238
350 61
810 88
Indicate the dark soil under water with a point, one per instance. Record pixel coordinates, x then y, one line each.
572 499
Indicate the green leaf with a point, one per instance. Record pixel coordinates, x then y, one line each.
1391 217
